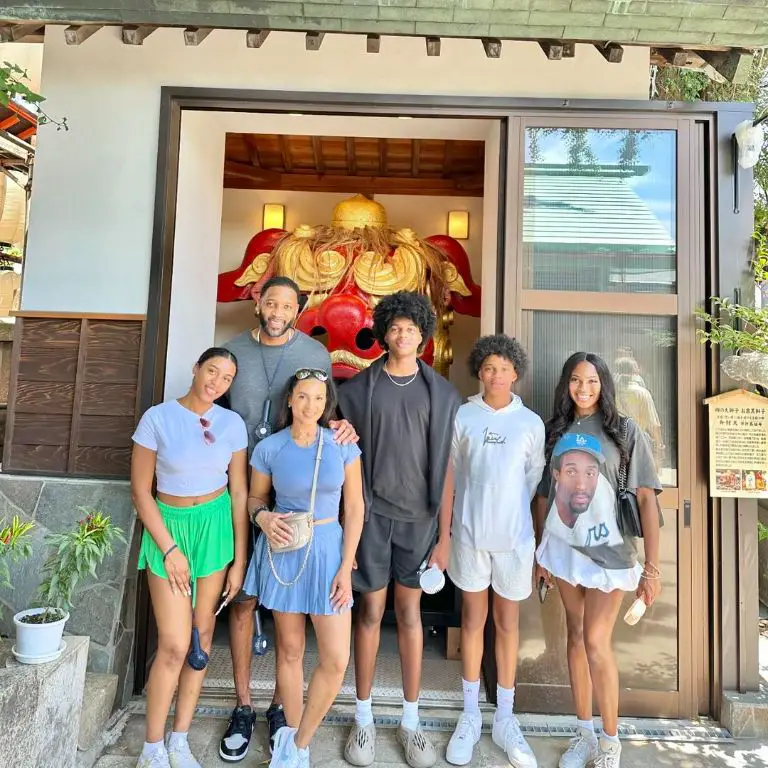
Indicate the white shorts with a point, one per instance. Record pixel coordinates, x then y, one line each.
509 573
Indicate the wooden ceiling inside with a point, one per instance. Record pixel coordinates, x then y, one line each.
354 164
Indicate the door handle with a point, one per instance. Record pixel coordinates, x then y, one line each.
687 513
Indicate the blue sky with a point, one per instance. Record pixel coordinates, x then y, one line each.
657 151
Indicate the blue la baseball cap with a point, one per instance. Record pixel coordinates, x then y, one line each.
575 441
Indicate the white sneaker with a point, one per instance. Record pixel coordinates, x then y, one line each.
462 743
180 755
582 750
609 755
158 759
285 754
506 734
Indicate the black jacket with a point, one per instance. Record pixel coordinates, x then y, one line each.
355 404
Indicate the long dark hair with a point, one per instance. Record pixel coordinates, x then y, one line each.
285 417
564 410
212 352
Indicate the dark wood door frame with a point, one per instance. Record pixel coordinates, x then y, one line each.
725 267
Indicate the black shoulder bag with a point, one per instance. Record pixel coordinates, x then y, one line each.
628 514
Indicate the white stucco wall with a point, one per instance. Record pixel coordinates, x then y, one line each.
91 215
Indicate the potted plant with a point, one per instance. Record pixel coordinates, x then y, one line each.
14 547
73 556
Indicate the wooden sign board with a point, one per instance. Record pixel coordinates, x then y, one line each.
738 445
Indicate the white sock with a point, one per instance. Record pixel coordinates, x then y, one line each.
471 696
587 725
176 739
363 712
410 718
505 702
611 738
150 747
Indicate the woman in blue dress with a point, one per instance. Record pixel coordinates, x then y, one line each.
314 579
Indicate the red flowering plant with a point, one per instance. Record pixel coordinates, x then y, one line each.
74 555
15 546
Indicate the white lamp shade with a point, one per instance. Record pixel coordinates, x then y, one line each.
273 216
458 224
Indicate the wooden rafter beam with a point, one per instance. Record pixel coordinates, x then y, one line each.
255 175
382 157
27 133
553 49
314 40
613 53
492 47
675 57
373 43
415 152
253 150
317 154
79 33
16 33
733 65
9 122
433 46
194 36
285 151
569 50
448 159
351 159
136 35
254 38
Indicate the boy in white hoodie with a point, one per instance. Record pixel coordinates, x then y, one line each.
498 460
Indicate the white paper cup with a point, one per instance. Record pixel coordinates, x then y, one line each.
432 580
635 612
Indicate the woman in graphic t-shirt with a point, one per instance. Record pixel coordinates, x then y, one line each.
315 579
580 543
193 530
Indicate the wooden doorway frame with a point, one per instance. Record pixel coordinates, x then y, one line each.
728 542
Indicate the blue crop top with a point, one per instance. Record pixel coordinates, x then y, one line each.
187 465
291 468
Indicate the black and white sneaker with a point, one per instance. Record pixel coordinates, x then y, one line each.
275 721
237 738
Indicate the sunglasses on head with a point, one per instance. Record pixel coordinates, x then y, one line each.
316 373
208 436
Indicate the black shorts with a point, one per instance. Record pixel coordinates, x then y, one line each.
392 548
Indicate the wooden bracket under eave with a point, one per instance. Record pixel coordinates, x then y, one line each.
433 46
134 35
733 65
195 35
492 46
373 43
613 53
314 40
79 33
553 49
18 33
254 38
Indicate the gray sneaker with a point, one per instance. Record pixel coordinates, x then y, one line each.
360 749
609 755
158 759
419 752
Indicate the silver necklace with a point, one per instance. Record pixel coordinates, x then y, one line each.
403 384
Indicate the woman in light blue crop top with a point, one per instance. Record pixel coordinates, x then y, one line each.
193 530
316 579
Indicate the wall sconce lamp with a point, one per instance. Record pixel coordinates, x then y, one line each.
273 216
458 225
747 144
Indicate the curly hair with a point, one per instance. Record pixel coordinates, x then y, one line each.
498 344
404 304
564 411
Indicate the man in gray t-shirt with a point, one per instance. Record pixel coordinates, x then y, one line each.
267 357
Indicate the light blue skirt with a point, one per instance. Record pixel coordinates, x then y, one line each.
310 594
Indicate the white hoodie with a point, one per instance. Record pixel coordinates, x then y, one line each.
498 461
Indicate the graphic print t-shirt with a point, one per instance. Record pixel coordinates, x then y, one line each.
581 483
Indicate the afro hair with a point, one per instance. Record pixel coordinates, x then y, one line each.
502 345
409 305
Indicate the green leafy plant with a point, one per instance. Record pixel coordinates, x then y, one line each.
74 556
762 531
14 88
15 546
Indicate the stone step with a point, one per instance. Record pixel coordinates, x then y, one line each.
98 700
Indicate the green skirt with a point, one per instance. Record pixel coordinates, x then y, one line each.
204 535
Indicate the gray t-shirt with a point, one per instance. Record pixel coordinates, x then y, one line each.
260 364
400 455
582 502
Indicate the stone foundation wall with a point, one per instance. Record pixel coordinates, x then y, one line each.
105 608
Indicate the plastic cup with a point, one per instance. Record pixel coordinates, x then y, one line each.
635 612
432 580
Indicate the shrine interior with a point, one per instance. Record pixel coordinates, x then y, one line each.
431 186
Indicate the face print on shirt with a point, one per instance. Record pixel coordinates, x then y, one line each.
583 511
